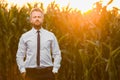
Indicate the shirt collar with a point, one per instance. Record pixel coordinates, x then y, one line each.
35 31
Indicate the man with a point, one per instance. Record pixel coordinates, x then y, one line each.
38 56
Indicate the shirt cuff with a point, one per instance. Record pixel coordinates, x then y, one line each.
22 70
55 70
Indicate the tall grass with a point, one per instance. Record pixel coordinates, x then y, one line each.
90 43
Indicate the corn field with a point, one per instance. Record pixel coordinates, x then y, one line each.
90 43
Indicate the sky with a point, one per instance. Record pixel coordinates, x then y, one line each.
83 5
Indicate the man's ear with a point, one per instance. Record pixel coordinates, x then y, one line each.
30 20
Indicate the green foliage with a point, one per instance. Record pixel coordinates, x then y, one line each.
90 43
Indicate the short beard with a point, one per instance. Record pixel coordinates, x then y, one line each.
37 26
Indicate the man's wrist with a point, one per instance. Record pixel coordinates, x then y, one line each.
23 75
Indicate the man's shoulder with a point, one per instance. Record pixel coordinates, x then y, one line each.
25 34
48 32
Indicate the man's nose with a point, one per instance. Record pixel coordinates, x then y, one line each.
37 18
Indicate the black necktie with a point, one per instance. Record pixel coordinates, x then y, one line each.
38 48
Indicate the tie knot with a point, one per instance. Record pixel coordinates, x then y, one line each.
38 31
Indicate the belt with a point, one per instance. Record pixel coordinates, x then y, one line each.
34 71
39 68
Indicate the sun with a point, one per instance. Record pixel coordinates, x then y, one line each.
82 5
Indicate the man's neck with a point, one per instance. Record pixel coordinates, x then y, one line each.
37 28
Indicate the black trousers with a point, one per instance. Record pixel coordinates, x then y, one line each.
39 74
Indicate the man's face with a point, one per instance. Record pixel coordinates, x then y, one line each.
36 19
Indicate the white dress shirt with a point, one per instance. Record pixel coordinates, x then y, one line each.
27 50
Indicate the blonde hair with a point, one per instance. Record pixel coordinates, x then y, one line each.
36 9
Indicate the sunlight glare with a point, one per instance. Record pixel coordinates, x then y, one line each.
82 5
116 3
